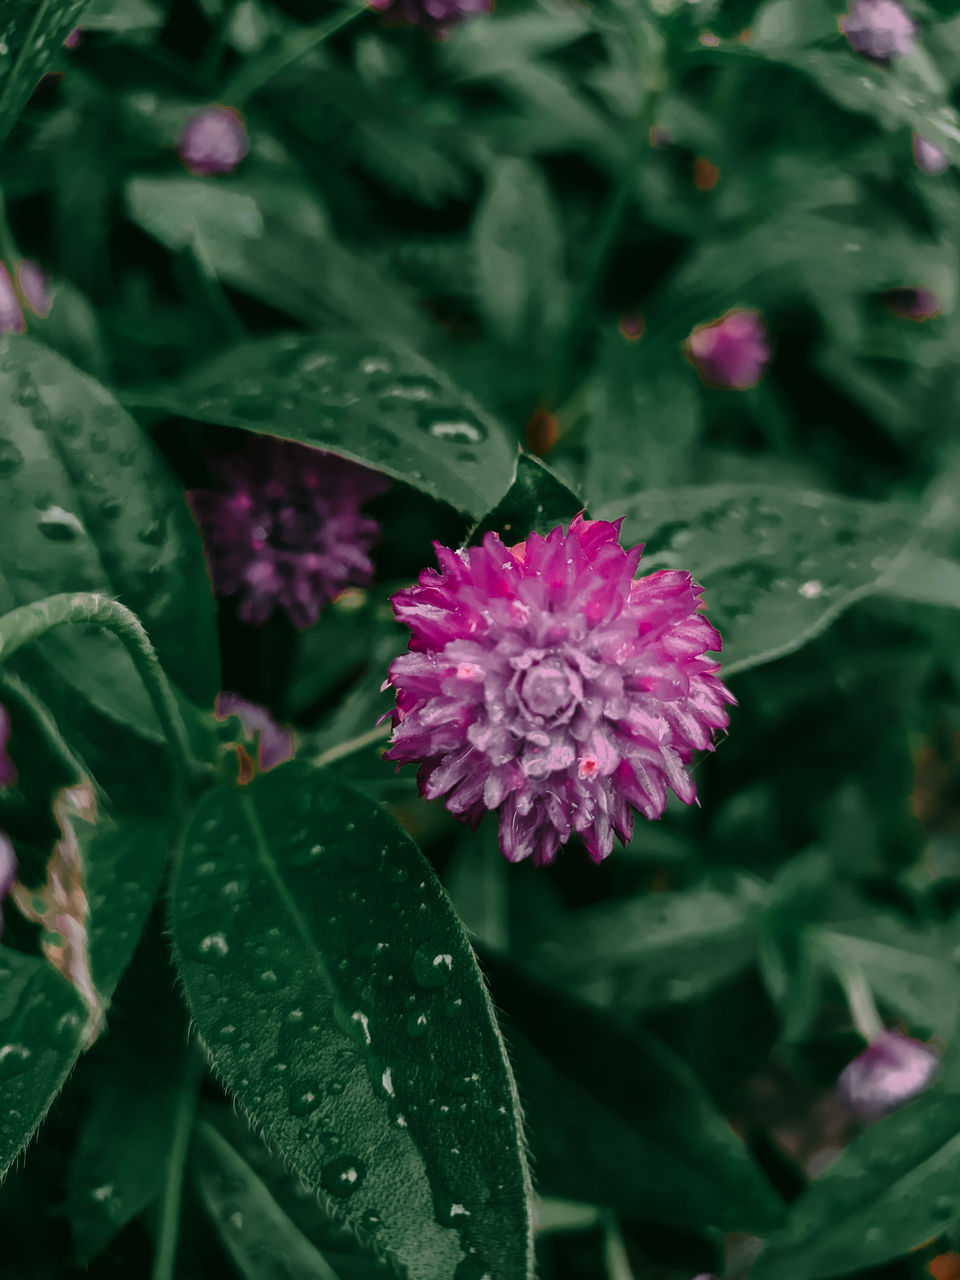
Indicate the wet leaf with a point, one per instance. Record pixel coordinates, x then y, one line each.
340 1003
31 33
778 566
536 502
377 404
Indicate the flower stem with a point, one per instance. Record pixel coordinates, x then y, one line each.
347 748
863 1011
165 1259
254 75
31 621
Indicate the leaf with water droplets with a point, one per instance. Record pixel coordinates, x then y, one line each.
341 1004
31 34
380 405
895 1186
778 565
89 505
45 1021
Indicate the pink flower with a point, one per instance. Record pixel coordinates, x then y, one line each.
73 38
913 303
929 157
11 316
33 284
881 30
889 1072
213 141
731 352
435 15
542 681
275 744
285 529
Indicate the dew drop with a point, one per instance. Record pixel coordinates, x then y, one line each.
304 1099
11 459
13 1059
59 525
452 429
342 1177
268 980
430 967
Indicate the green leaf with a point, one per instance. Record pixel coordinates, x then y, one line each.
273 241
340 1002
113 874
645 420
924 578
778 565
646 952
894 1187
536 502
378 404
615 1118
517 241
259 1237
31 32
89 505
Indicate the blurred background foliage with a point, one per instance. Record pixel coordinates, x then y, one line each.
543 205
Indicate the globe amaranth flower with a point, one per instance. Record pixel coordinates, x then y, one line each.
930 158
275 744
890 1071
544 682
213 141
912 303
880 30
8 775
33 285
731 352
285 528
435 15
11 315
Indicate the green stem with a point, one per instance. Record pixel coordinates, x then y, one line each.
20 696
863 1011
347 748
31 621
615 1252
254 74
165 1259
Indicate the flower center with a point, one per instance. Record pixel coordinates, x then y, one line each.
546 689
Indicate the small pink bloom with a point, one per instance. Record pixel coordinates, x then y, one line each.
545 682
213 141
74 38
731 352
436 16
929 157
913 303
889 1072
34 286
11 316
880 30
8 870
275 744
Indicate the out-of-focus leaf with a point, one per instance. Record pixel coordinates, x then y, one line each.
378 404
340 1002
31 32
269 238
778 565
894 1187
646 952
615 1118
518 245
924 578
123 17
89 505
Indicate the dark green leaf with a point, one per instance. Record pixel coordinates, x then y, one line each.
90 506
380 405
536 502
31 32
894 1187
616 1119
271 239
44 1020
778 565
340 1002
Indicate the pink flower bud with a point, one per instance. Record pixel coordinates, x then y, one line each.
889 1072
213 141
731 352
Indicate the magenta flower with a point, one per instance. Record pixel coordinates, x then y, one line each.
890 1071
929 157
285 529
881 30
33 285
275 744
73 38
435 15
731 352
542 681
213 141
913 303
11 316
